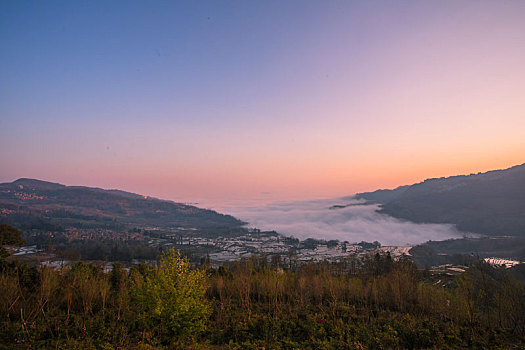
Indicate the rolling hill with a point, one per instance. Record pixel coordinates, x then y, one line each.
29 203
491 203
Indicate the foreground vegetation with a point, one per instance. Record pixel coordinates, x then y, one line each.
255 304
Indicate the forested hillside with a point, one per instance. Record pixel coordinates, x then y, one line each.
491 203
28 203
256 304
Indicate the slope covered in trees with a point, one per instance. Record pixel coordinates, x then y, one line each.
28 203
255 304
491 203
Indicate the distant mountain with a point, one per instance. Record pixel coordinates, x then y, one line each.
491 203
29 203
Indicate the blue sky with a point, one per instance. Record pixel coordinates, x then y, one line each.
297 99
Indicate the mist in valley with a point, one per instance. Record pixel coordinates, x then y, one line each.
344 219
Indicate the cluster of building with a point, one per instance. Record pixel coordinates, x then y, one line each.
6 211
101 234
228 248
502 262
24 195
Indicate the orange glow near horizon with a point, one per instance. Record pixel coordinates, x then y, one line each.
316 101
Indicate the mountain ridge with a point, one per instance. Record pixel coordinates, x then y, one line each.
26 201
490 203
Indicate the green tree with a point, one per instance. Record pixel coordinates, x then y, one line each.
9 236
173 298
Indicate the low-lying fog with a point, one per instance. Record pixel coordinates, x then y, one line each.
328 219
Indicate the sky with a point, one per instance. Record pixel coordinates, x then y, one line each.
254 101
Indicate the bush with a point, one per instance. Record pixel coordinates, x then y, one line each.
173 299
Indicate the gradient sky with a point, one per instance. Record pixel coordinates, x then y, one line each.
258 100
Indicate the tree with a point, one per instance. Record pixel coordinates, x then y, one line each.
173 298
9 236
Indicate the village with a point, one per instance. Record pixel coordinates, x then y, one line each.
218 249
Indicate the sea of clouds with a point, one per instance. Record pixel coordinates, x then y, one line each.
356 222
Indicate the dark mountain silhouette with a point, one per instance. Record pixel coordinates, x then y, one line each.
29 203
491 203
